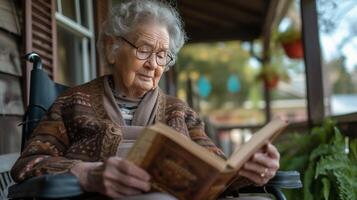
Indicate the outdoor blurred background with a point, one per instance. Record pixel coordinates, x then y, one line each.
222 80
245 63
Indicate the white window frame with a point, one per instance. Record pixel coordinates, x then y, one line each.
88 71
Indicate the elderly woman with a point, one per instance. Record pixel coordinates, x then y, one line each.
89 128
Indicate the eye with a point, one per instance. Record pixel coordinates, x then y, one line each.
161 54
144 52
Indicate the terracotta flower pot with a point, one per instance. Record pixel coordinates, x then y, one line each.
294 49
271 82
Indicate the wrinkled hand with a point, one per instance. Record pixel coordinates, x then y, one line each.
262 166
116 177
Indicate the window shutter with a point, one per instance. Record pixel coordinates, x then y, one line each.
40 35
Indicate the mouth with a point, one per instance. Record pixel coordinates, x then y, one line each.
145 77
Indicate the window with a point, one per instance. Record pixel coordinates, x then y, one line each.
76 44
338 40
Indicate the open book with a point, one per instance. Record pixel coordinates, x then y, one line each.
186 170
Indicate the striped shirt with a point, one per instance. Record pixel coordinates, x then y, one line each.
126 104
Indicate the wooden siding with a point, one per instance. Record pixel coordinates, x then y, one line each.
10 96
7 20
10 134
9 54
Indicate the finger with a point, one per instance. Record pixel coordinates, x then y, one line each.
111 170
113 174
108 190
272 151
255 167
271 173
117 177
262 149
257 179
258 169
131 181
266 161
131 169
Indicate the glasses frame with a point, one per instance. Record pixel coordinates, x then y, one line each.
166 66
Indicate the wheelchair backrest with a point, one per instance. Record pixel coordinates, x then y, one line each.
43 92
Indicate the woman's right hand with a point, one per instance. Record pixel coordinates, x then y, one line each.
116 177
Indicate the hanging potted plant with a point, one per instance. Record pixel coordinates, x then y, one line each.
271 75
291 42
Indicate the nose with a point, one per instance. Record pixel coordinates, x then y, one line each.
151 61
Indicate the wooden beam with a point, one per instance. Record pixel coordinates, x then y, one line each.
215 34
205 18
255 7
191 22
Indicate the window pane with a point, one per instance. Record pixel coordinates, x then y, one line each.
68 9
70 66
220 78
338 40
84 13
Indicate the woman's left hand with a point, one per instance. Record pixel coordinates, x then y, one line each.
262 166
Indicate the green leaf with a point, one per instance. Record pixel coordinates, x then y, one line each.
307 182
353 150
339 139
321 150
326 188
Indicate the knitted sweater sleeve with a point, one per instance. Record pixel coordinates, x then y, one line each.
195 127
44 152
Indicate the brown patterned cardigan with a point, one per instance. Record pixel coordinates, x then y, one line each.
77 128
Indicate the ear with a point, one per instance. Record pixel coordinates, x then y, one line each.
110 51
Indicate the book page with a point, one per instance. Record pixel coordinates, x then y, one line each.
190 146
268 133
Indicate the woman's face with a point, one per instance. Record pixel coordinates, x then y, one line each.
139 76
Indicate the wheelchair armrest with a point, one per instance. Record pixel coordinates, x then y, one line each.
286 180
47 186
282 179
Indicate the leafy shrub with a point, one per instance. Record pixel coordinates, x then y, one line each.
326 160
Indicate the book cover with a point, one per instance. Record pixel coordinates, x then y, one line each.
186 170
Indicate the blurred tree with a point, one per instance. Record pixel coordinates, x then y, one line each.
217 61
341 79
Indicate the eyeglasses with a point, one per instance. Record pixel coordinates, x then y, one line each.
163 58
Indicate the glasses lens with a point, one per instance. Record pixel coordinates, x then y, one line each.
161 58
143 53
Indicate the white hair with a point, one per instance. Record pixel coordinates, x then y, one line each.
126 16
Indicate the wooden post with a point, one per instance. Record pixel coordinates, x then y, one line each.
313 67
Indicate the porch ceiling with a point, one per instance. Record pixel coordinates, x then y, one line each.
220 20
